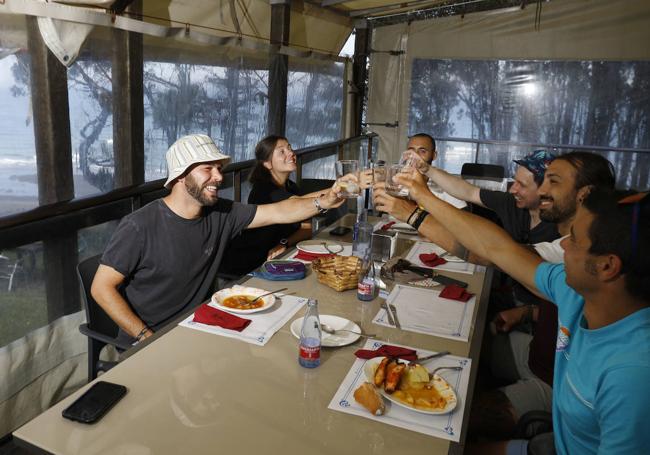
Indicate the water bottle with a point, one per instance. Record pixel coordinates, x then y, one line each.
362 236
366 285
310 336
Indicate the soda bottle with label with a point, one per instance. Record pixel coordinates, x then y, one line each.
366 286
310 337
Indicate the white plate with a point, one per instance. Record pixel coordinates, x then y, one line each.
438 383
318 247
220 296
337 323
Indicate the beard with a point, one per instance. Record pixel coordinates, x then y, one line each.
196 191
558 212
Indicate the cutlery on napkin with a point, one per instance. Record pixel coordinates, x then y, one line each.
388 350
206 314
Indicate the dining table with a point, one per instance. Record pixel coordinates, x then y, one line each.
194 392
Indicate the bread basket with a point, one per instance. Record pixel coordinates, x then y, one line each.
338 272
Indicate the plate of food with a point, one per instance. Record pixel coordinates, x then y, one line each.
320 247
332 340
241 299
410 385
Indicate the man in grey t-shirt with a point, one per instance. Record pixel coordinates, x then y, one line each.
163 258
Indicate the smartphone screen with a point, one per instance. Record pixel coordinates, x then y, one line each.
95 402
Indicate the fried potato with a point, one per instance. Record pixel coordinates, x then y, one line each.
368 397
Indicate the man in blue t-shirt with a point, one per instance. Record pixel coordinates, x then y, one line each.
602 365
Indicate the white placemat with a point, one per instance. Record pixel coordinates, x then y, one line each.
347 251
428 248
263 325
422 310
445 426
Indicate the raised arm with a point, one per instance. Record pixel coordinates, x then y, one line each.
480 236
430 228
295 209
105 291
451 184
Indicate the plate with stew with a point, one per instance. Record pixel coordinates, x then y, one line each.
239 299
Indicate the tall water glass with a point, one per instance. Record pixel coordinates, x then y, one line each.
379 173
392 187
347 176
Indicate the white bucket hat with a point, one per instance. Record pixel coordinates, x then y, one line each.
189 150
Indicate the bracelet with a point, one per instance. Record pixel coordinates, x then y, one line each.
321 210
408 220
142 333
416 224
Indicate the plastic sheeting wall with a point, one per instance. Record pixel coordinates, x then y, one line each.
579 30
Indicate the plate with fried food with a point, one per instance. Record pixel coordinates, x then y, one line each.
242 300
410 385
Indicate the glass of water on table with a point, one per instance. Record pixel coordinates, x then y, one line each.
347 177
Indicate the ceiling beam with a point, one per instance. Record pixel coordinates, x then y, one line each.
324 3
392 7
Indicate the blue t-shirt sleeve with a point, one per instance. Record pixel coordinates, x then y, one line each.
549 279
622 405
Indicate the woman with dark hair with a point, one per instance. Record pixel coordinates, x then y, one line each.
270 179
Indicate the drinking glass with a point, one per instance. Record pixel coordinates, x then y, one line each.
379 173
347 176
392 187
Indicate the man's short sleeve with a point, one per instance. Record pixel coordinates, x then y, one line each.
243 215
550 279
124 250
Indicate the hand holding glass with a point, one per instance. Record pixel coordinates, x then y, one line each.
347 176
392 187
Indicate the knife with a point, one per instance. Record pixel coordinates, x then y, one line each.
394 310
432 356
391 321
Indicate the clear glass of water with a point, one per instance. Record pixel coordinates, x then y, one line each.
392 187
347 176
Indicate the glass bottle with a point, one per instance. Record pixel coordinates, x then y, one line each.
310 337
362 236
366 285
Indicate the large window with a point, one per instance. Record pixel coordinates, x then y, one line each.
225 100
601 104
314 102
18 180
91 121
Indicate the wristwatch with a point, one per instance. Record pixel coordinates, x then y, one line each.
321 210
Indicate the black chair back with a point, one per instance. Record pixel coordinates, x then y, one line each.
97 318
99 328
483 170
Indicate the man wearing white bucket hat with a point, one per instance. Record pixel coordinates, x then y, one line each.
163 258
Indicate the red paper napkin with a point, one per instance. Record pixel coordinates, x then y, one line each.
455 292
387 350
387 226
206 314
432 260
305 256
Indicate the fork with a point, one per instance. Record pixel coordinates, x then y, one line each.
264 295
435 370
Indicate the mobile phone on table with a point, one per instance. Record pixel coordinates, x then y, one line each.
340 230
95 402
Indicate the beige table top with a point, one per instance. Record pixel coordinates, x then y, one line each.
194 392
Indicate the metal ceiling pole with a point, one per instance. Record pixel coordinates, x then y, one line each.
128 106
278 67
49 92
359 74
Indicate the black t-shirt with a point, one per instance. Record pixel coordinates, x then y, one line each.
170 263
250 249
516 221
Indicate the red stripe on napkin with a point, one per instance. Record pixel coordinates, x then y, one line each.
432 260
387 350
206 314
305 256
455 292
387 226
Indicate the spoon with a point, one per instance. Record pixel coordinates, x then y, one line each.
435 370
263 295
332 331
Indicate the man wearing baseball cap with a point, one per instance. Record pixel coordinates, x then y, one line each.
163 258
